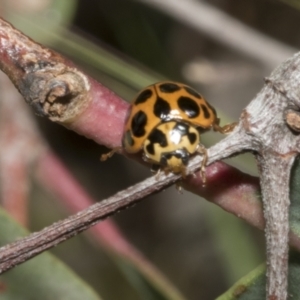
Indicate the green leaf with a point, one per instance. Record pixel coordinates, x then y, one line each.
294 196
253 286
43 277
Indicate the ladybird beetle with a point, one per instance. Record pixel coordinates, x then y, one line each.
165 122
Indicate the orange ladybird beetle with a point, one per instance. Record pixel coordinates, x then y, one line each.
165 122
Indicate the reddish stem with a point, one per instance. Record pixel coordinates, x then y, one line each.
231 189
104 117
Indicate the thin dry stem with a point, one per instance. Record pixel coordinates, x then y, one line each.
24 249
53 175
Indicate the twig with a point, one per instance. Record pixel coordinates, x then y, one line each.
28 247
54 176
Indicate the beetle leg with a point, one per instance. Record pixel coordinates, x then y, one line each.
224 129
202 150
157 175
178 186
109 154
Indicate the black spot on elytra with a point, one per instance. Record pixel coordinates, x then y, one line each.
161 108
192 137
205 111
150 149
156 137
143 96
192 92
189 106
138 124
128 139
169 87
